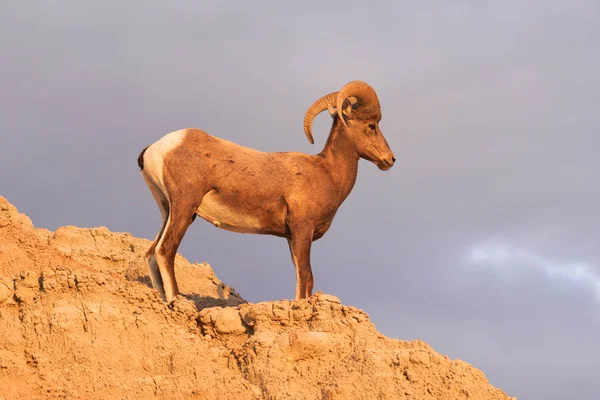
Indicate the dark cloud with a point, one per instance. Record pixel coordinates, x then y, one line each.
492 109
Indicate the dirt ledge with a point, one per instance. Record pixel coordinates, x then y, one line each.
79 320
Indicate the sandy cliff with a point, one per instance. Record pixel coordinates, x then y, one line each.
79 320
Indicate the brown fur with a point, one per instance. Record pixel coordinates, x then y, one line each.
289 194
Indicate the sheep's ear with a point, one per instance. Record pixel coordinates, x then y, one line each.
350 105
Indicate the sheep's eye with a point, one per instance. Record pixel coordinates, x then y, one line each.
372 127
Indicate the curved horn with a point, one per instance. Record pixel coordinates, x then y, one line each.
365 94
318 106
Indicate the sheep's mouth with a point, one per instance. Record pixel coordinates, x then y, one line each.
384 165
375 157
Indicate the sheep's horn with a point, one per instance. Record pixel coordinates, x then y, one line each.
324 103
365 94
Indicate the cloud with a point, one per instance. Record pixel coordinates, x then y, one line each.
509 259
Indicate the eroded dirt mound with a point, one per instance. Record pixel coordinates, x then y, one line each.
78 319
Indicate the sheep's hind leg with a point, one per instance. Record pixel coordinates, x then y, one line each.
150 256
180 218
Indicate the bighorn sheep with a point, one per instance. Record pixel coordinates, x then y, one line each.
291 195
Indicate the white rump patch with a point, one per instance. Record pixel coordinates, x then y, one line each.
155 155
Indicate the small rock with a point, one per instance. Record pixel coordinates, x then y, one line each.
3 204
68 317
223 321
420 357
6 292
411 376
328 298
305 345
254 312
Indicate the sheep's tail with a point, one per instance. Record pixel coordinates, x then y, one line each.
141 158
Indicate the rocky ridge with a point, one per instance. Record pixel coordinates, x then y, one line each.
79 320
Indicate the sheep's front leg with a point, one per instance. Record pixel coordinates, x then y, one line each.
300 243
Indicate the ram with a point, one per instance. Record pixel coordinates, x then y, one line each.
287 194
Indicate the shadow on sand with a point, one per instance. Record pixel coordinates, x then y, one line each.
200 301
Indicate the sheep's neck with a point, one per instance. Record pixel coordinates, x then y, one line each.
341 154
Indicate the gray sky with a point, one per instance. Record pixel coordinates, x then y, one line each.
483 240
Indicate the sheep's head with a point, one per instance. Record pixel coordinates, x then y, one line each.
360 115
